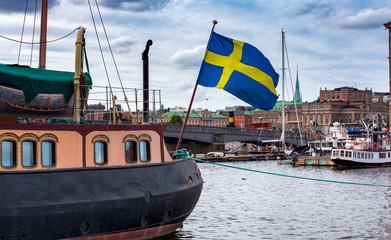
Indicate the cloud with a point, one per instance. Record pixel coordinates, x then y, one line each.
316 7
366 19
136 5
20 6
188 58
122 44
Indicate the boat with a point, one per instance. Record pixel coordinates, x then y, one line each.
62 179
373 150
337 137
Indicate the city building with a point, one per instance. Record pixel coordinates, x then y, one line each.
345 105
94 112
204 118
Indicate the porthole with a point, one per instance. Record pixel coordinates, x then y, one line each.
144 220
84 227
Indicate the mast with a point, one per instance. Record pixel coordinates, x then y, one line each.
42 41
388 25
283 90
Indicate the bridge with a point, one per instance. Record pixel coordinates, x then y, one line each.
217 136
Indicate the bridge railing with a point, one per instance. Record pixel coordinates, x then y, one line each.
227 130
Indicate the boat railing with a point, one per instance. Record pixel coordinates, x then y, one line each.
120 105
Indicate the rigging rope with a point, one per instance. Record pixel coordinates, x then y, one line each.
32 46
294 102
101 51
112 55
50 41
290 176
24 22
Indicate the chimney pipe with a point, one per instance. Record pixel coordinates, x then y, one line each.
146 81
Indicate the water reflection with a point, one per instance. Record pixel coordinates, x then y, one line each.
237 204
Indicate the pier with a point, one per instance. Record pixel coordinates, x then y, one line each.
247 157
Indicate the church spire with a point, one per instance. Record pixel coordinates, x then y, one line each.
297 96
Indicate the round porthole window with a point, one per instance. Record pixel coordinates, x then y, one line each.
84 227
144 220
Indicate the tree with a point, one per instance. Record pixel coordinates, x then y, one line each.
176 119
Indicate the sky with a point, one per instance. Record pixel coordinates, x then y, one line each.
332 43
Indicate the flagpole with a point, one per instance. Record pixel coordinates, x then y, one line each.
192 97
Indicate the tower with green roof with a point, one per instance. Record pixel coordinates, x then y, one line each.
297 96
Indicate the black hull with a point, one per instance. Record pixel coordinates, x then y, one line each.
93 202
351 164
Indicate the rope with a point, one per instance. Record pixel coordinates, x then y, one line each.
294 102
100 48
112 55
51 41
291 176
32 46
21 36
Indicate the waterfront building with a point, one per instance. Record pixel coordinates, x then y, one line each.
204 118
344 104
95 112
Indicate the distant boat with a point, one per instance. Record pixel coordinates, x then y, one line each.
75 181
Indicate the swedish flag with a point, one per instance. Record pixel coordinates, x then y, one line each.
240 69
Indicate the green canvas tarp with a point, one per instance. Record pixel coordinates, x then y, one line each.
33 81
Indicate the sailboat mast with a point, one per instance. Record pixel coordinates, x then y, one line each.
388 26
283 89
42 41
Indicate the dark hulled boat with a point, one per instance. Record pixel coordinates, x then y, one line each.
83 190
75 181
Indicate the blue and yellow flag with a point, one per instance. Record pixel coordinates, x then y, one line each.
240 69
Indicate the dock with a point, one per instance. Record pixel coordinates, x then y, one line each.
247 157
315 161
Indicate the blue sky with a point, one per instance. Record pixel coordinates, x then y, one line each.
334 43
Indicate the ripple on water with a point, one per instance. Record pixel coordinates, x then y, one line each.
270 207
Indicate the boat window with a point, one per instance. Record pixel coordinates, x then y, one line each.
354 154
145 151
366 155
100 152
342 153
130 151
358 155
28 154
349 154
8 154
371 155
340 144
362 155
48 153
335 153
389 154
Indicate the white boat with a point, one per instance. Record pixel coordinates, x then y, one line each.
371 151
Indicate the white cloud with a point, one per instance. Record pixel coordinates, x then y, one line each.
366 18
188 58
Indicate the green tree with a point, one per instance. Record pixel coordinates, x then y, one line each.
176 119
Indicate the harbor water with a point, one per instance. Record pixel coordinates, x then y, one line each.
239 204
